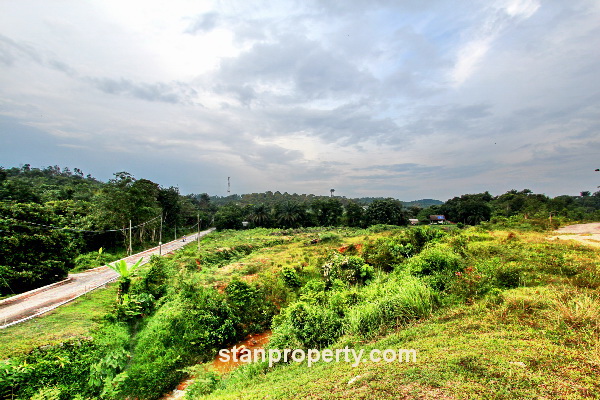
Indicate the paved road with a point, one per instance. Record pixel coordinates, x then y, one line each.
31 304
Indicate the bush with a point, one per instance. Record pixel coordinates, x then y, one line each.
420 236
65 366
349 269
187 328
290 277
203 384
385 253
253 312
438 264
92 260
329 237
308 325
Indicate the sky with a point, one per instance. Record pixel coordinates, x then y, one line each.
404 99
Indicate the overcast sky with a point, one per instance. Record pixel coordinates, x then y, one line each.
408 99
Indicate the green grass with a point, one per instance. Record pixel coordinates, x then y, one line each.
539 340
74 319
511 350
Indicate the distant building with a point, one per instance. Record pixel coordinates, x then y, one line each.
437 219
413 221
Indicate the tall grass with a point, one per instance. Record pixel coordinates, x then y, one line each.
395 303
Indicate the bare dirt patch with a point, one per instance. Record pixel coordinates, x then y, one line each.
588 234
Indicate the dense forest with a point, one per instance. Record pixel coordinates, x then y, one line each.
53 219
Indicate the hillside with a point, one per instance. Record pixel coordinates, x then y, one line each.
486 310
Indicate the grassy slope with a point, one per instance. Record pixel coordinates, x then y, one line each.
540 341
74 319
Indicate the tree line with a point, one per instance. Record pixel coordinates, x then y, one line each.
50 216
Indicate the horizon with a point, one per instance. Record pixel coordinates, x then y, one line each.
225 195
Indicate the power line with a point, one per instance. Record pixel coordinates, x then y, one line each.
78 230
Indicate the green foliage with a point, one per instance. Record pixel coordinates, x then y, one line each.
437 264
385 211
290 277
250 306
187 328
420 236
327 212
92 260
329 237
31 256
203 384
389 305
65 366
385 253
349 269
469 208
508 276
229 217
309 325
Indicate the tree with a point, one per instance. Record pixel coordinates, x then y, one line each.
468 208
229 217
291 214
327 211
386 211
126 199
354 214
32 255
260 215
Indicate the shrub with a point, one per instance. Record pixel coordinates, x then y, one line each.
249 304
314 292
65 366
308 325
329 237
348 269
469 284
290 277
93 259
434 259
203 384
420 236
385 253
508 276
189 327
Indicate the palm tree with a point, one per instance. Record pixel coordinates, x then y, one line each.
259 215
289 214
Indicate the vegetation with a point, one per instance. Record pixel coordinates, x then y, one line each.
465 299
487 303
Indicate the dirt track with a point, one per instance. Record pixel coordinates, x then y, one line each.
588 234
37 302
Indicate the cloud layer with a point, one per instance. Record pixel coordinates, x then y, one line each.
381 98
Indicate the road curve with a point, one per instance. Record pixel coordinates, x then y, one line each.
34 303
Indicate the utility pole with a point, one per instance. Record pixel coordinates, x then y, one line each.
160 236
175 231
130 250
228 185
198 234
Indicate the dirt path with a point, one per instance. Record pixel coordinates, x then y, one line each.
31 304
588 234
